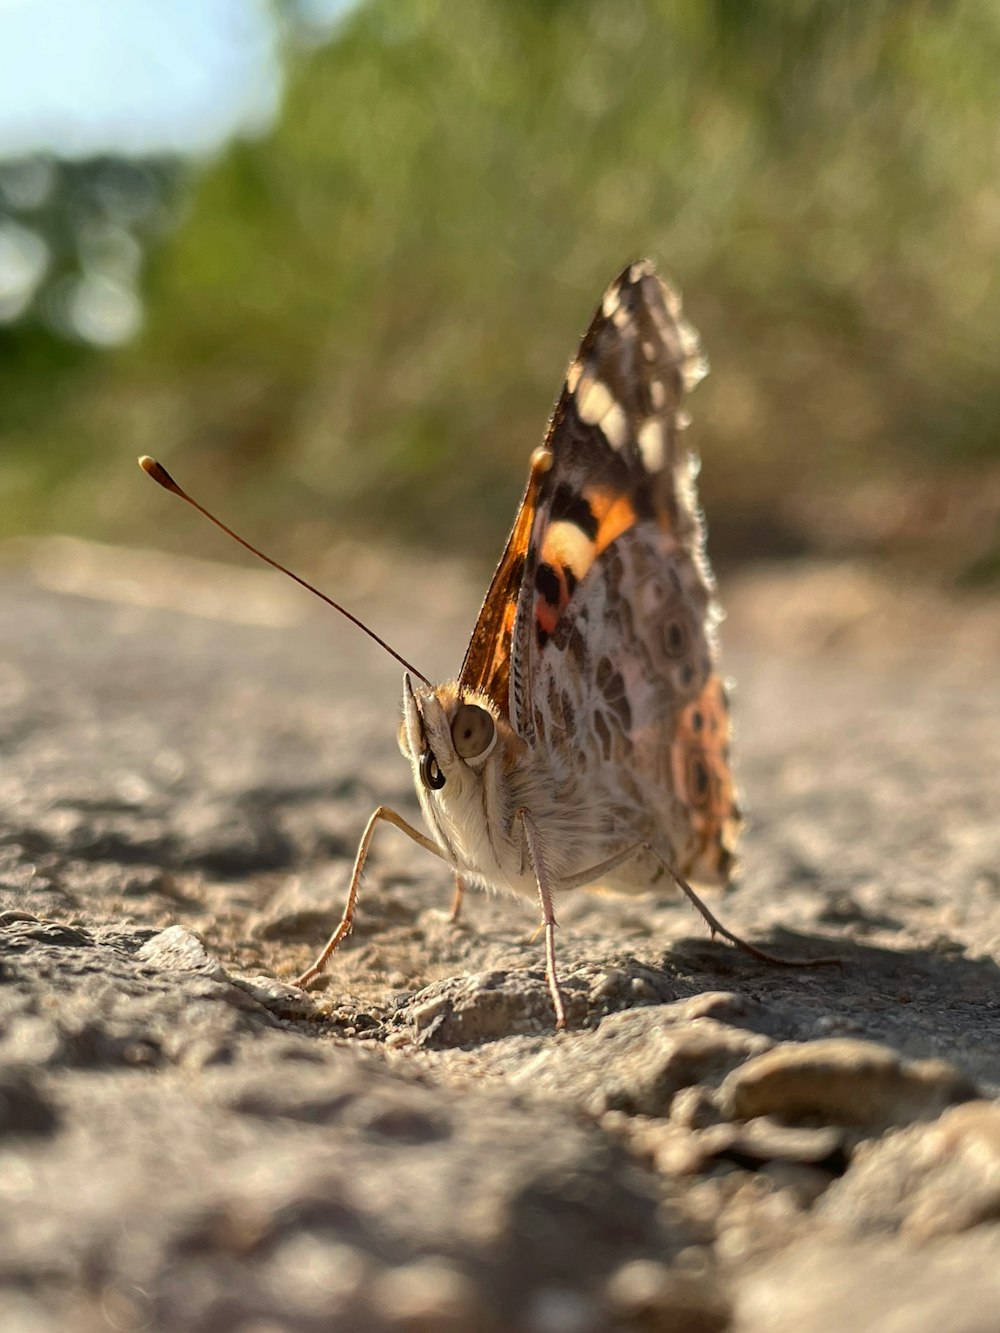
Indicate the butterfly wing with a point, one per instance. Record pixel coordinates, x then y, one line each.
487 665
595 639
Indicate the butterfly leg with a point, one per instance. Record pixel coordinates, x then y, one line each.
383 813
711 920
457 899
717 928
548 913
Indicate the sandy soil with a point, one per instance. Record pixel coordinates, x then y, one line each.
189 754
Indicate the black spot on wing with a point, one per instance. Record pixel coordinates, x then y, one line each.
570 506
699 780
674 638
641 492
547 583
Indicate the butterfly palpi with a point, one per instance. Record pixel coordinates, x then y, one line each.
586 738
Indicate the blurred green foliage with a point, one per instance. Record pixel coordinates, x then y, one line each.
362 321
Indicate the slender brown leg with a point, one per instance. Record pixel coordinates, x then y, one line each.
712 921
717 928
548 915
457 900
347 920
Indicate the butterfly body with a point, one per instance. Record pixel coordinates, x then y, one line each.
474 814
586 814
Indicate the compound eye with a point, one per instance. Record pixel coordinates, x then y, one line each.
472 731
430 772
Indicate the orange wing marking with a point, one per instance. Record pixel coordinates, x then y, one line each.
700 762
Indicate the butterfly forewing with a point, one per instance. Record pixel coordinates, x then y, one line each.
595 639
488 657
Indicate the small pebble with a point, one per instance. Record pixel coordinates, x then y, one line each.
426 1296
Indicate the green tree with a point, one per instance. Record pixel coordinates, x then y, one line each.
365 317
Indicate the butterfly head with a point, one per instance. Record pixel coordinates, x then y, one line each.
468 769
448 735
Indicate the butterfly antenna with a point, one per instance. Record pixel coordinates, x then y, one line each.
160 474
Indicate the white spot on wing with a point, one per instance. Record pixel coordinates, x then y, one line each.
597 407
658 394
614 423
672 300
593 400
651 444
695 366
566 544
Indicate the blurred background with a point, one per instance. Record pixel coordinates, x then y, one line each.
329 260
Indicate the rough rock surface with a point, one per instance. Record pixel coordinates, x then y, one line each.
187 1142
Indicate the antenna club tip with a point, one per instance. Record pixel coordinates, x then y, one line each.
158 472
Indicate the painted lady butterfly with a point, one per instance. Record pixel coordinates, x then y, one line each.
587 735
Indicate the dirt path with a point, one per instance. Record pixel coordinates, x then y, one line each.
187 1143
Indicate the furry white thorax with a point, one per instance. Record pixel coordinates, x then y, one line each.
473 817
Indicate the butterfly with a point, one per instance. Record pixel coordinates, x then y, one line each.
586 737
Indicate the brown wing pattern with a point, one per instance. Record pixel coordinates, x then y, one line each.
610 518
590 481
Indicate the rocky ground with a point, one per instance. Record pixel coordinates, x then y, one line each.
188 1143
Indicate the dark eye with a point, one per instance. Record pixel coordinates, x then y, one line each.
430 772
472 731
